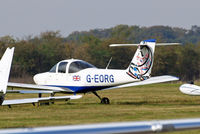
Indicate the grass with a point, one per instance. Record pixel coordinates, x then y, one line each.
150 102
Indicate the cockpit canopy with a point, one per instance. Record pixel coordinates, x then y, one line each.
70 66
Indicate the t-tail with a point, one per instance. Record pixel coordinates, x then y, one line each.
5 66
142 62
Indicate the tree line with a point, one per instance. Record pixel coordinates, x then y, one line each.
38 54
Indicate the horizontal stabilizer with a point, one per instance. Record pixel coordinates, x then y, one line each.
40 100
167 44
124 45
157 44
190 89
152 80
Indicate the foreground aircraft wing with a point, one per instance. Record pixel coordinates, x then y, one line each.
152 80
40 100
137 127
36 87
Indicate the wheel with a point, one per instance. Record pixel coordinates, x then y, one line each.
105 100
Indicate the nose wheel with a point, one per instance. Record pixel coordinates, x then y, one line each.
104 100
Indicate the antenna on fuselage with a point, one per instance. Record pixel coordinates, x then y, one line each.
109 63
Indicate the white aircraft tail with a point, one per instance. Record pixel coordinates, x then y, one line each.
142 62
5 66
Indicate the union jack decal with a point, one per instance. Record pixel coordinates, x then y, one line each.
76 78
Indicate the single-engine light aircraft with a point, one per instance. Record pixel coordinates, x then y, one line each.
77 76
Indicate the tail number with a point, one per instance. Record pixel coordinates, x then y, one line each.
100 78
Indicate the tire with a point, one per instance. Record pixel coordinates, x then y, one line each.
105 100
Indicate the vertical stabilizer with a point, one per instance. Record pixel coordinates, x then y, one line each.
142 62
5 66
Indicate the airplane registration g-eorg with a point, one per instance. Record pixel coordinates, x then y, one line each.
77 76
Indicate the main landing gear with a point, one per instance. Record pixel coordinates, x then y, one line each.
104 100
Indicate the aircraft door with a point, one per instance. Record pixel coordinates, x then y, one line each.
62 73
62 67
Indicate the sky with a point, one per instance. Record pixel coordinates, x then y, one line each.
21 18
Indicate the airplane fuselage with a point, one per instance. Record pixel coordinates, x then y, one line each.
90 79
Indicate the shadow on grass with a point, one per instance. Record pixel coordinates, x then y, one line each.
83 103
132 103
159 103
146 101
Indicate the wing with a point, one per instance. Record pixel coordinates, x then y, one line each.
37 87
31 91
40 100
31 88
152 80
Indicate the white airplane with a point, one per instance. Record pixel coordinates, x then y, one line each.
190 89
77 76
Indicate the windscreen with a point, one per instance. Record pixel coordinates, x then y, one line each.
53 69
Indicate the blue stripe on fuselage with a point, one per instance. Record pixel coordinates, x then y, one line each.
150 40
82 89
